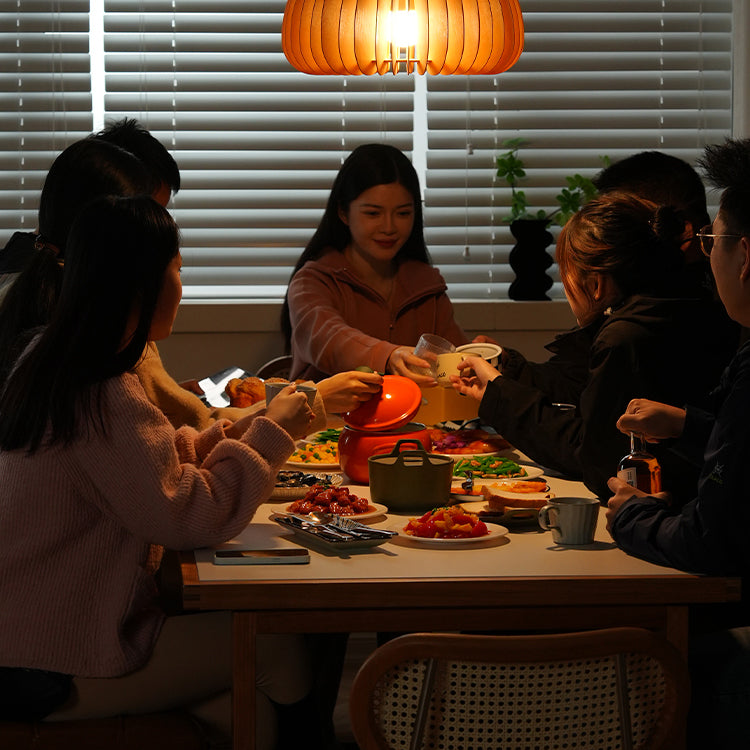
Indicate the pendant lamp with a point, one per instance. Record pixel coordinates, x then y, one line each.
364 37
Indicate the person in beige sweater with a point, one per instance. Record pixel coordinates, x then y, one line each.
96 481
338 394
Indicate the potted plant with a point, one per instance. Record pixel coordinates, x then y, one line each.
529 258
511 168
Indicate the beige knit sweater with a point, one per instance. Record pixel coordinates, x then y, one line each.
76 595
184 408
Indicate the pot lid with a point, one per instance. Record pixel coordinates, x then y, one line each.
398 401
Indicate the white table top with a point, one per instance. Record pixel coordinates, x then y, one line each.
518 554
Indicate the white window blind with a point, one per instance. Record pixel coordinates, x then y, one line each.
259 144
45 100
596 78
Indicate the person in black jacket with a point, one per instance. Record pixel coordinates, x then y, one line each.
706 531
619 257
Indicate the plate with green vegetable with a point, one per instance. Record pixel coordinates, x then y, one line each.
493 467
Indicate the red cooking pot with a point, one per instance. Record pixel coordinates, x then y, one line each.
375 426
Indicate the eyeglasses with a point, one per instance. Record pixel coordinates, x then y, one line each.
707 239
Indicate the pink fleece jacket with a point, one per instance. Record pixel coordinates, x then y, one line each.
76 587
340 323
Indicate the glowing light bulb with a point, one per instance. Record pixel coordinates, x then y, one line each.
403 31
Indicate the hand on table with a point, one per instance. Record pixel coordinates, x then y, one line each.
653 420
290 410
347 390
403 361
475 374
624 492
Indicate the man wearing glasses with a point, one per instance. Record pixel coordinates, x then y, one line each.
708 533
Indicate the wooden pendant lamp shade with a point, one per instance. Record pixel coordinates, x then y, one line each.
364 37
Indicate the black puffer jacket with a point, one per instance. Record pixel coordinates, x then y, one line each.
649 347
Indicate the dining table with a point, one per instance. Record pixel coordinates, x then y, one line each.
515 581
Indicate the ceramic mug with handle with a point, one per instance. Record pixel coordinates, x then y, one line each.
572 520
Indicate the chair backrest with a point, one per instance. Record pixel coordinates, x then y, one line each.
279 367
615 688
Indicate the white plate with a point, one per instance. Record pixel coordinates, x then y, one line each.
505 494
531 472
311 466
512 516
478 506
378 510
495 530
467 455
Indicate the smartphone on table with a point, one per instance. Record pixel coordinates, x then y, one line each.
278 556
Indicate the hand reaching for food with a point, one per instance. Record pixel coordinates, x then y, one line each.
290 410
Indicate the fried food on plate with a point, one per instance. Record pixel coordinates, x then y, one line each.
245 391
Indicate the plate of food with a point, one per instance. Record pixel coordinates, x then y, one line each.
320 450
450 526
474 442
337 500
497 508
494 467
531 489
291 485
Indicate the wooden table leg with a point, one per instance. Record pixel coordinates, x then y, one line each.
244 629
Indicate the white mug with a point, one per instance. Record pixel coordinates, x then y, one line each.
272 390
572 520
447 365
490 352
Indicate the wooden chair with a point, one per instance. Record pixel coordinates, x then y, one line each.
615 688
279 367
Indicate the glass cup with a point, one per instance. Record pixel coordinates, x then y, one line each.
428 348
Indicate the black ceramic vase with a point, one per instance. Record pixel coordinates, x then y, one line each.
529 259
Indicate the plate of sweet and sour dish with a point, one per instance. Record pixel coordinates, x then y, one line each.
450 526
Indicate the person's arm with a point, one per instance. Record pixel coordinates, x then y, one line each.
709 533
182 489
526 418
180 406
321 335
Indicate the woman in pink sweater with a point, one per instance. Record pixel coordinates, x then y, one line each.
96 482
364 290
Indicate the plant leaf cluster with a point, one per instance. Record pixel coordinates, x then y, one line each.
511 168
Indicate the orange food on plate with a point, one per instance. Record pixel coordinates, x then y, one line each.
523 485
466 442
447 523
245 391
336 500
